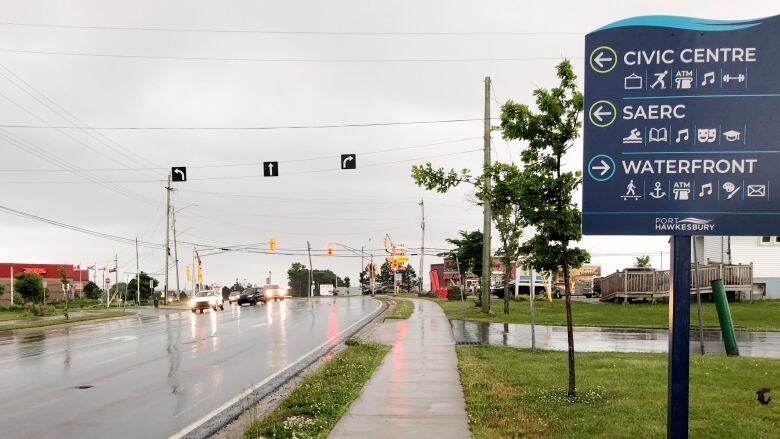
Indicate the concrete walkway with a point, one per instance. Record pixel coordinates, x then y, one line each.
416 391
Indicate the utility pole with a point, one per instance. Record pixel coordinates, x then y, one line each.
175 253
194 272
137 277
372 274
311 271
486 219
422 244
167 236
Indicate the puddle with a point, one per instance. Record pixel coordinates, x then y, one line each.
751 344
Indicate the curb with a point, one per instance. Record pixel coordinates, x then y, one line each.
222 416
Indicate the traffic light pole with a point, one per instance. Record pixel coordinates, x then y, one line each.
167 238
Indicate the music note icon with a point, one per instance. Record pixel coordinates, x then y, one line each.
707 187
682 134
709 78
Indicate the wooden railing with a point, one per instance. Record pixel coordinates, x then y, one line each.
656 282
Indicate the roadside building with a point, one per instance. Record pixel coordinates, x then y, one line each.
51 279
763 252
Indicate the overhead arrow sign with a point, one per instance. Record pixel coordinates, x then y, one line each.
270 169
179 173
348 161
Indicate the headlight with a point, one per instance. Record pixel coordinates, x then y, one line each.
268 293
192 303
212 300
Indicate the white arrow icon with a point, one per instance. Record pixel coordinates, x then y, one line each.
180 172
600 112
270 168
344 163
601 58
603 167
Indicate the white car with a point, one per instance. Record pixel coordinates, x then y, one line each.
207 299
273 292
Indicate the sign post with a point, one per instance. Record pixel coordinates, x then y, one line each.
681 139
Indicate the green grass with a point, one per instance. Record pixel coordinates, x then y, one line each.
312 410
519 393
36 322
403 308
760 315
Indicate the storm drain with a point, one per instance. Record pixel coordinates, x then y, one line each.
469 343
84 387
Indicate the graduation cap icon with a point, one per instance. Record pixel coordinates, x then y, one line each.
732 136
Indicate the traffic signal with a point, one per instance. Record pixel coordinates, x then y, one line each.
188 272
200 274
330 249
272 244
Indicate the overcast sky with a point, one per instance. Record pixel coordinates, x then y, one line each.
319 76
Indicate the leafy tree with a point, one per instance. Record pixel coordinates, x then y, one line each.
146 290
468 250
546 193
237 287
92 291
298 277
642 262
408 277
225 292
347 280
30 286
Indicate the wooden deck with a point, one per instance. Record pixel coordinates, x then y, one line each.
632 284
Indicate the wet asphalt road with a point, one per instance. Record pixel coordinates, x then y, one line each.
586 339
157 373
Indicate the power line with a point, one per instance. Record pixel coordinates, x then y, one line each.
283 32
236 177
242 128
288 60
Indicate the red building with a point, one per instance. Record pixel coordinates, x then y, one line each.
51 279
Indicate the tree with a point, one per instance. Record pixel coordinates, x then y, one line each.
237 287
65 288
30 286
225 292
546 192
468 250
505 188
347 281
146 290
92 291
642 262
298 277
408 277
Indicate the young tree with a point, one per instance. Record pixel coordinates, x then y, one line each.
642 262
408 276
146 290
65 288
546 193
30 286
347 280
298 276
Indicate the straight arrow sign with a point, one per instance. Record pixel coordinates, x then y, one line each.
270 169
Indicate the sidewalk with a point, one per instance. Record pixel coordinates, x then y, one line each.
415 392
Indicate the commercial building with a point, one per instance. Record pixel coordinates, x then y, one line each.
50 275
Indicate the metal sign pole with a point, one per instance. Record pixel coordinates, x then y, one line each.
679 345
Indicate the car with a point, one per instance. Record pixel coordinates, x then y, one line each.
250 295
273 292
207 299
385 289
233 296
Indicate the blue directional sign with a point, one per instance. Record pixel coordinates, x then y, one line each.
682 127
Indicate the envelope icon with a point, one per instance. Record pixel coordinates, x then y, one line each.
756 190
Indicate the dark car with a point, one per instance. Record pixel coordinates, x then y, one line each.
250 295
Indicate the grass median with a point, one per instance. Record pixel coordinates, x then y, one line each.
519 393
314 408
756 316
402 308
38 322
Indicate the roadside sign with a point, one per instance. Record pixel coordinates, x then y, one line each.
348 161
680 130
398 277
179 173
270 169
108 280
